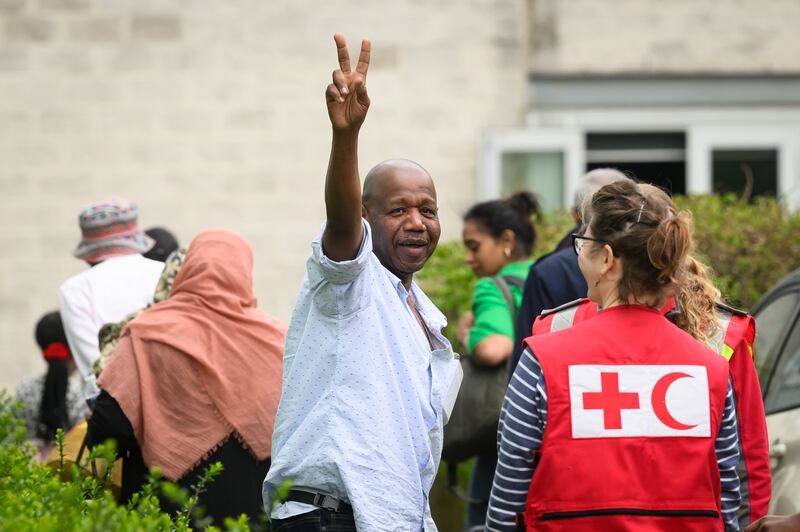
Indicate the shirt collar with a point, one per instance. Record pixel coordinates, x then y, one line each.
396 282
432 316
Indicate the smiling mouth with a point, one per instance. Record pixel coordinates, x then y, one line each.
413 243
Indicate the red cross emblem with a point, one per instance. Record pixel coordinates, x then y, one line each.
610 400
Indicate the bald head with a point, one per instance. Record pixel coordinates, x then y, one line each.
399 203
382 178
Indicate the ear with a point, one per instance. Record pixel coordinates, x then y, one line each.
507 238
610 262
364 213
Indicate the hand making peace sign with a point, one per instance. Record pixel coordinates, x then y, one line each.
347 96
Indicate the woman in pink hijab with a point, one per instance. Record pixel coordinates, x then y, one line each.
196 379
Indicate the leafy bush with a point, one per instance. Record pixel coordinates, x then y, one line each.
35 497
749 246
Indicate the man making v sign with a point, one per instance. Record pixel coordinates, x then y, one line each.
368 377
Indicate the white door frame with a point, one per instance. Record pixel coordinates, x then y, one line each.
570 141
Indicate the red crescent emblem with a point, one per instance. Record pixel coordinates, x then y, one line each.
659 400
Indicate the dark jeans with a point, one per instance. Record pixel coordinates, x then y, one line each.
480 487
320 520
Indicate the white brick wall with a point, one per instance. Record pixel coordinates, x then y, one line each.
211 113
603 36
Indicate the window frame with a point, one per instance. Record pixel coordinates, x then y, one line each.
571 142
771 389
785 333
702 140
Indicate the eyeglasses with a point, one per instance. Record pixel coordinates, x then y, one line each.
578 242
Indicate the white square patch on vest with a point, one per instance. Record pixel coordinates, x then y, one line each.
635 401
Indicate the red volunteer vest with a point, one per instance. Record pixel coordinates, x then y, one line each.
620 451
564 317
734 341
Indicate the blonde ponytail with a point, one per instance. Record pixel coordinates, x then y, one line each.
697 296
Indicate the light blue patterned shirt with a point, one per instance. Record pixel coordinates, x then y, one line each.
364 395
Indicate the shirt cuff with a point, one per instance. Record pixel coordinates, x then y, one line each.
346 271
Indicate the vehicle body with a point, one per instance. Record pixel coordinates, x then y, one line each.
777 351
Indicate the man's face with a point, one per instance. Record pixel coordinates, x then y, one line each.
404 217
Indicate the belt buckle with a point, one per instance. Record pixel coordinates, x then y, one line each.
327 502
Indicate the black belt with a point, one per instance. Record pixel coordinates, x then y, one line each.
320 500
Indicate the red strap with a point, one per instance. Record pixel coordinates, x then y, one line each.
668 306
56 351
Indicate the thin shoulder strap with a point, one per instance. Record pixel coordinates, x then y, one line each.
502 284
513 280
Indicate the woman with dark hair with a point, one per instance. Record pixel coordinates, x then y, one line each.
165 244
51 401
622 421
499 236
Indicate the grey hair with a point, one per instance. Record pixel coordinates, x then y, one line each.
593 181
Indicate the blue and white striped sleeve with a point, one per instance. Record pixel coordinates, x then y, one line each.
522 422
727 450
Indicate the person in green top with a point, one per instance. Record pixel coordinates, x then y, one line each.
498 236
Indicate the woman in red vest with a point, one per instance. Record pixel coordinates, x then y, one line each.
624 421
729 332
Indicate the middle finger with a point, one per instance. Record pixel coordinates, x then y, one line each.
363 58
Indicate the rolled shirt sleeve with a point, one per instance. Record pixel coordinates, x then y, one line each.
340 287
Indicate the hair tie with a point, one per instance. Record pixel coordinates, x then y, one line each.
639 217
56 351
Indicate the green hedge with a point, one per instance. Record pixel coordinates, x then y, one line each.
35 497
749 246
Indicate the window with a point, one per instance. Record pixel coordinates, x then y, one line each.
745 172
731 157
546 161
784 389
540 172
654 157
771 322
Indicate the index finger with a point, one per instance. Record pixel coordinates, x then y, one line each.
341 50
363 57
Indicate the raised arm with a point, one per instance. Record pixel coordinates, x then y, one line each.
347 102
